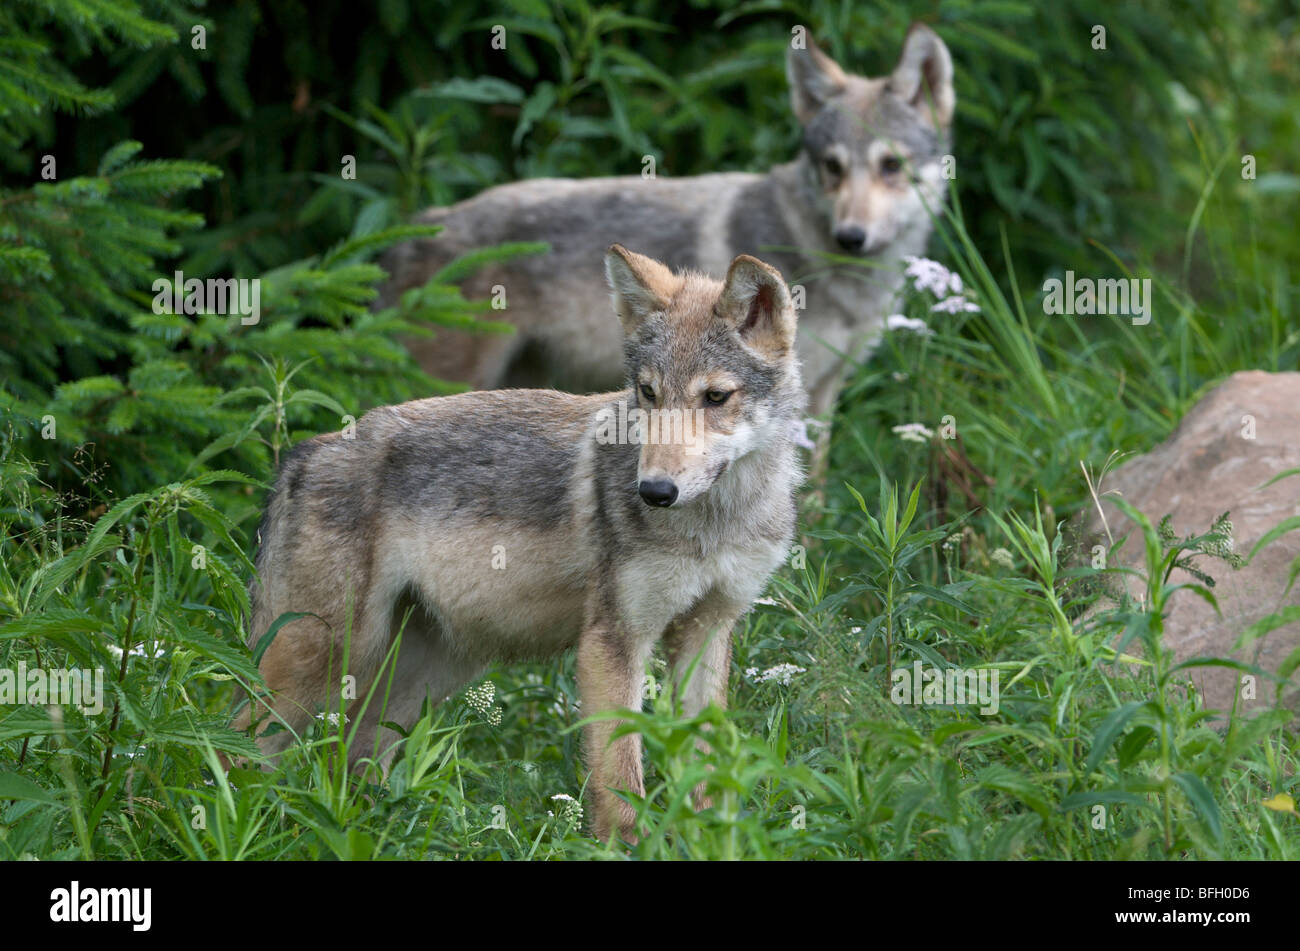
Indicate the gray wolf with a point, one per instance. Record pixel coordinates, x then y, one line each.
513 526
865 187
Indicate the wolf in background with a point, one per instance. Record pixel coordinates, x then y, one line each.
866 184
508 528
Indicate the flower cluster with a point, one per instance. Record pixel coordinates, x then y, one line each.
570 810
482 700
914 432
931 276
138 651
781 674
1222 546
914 324
957 304
1001 556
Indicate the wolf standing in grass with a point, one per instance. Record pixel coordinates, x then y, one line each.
867 183
515 525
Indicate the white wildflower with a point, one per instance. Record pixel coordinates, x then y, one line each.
956 304
570 808
482 700
781 673
928 275
138 651
564 706
332 719
1003 557
914 324
914 432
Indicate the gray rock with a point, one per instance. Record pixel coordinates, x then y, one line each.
1241 434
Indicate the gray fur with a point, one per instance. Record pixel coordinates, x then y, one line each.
506 529
787 216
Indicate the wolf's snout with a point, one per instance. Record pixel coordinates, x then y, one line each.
660 492
850 237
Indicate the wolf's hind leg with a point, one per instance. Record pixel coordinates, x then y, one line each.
312 663
296 669
425 667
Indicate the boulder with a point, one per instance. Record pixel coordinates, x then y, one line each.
1238 436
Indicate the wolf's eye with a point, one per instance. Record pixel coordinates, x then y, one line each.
891 164
716 397
833 166
647 392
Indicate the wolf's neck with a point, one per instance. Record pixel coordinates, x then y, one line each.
795 190
764 479
797 178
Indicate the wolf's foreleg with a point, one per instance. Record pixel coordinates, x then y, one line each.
611 666
699 653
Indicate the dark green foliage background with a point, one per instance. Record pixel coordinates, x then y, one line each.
1067 155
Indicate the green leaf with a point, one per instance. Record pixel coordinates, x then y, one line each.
317 398
232 658
1267 624
1274 533
1108 732
1132 745
118 156
1005 779
52 624
1286 474
377 241
26 721
925 651
13 786
264 642
537 106
484 89
466 264
1203 800
1288 666
1079 800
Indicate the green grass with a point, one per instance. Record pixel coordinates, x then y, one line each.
1097 749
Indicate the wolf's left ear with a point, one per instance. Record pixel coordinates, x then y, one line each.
640 285
757 303
923 75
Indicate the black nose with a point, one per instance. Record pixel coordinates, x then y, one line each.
658 492
851 237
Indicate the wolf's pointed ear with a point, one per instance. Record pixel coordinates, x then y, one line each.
923 75
814 78
640 285
757 303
